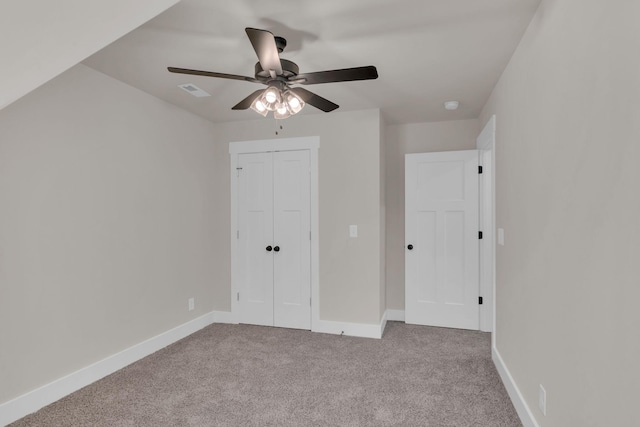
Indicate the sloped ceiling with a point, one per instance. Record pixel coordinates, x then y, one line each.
40 39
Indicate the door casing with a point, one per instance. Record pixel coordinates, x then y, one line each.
485 143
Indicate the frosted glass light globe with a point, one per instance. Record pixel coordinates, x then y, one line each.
270 96
293 102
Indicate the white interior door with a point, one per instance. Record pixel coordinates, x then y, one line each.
274 246
255 234
292 228
441 234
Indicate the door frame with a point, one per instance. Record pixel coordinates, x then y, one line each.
485 143
312 144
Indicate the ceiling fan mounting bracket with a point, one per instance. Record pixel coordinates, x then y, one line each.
281 43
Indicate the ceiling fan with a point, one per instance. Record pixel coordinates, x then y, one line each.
279 75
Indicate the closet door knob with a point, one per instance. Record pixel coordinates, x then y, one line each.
276 248
269 248
410 247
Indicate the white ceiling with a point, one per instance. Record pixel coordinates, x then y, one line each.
426 52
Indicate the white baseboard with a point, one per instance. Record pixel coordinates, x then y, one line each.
383 323
523 410
34 400
395 315
364 330
223 317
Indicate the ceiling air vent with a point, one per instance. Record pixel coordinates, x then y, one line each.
193 90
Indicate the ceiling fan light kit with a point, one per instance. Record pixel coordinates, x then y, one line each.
279 74
277 98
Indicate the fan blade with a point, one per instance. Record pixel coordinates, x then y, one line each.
212 74
312 99
264 44
344 75
246 103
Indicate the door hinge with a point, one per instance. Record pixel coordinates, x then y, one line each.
237 234
309 302
479 169
479 234
480 300
238 297
309 235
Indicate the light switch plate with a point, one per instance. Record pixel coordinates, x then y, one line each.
501 236
353 231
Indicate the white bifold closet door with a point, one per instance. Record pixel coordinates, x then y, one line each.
274 245
442 246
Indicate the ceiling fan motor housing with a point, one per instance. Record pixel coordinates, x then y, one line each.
289 69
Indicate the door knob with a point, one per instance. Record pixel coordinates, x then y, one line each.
410 247
268 248
276 248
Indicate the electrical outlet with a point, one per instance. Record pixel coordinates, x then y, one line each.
192 303
542 400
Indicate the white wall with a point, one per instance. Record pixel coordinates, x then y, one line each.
109 223
350 193
401 140
40 39
568 198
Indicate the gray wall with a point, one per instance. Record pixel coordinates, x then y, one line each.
350 193
568 198
401 140
107 225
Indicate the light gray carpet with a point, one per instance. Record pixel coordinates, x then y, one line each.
239 375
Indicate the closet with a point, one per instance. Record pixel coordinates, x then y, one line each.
272 281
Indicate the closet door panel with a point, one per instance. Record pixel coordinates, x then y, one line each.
255 227
292 227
